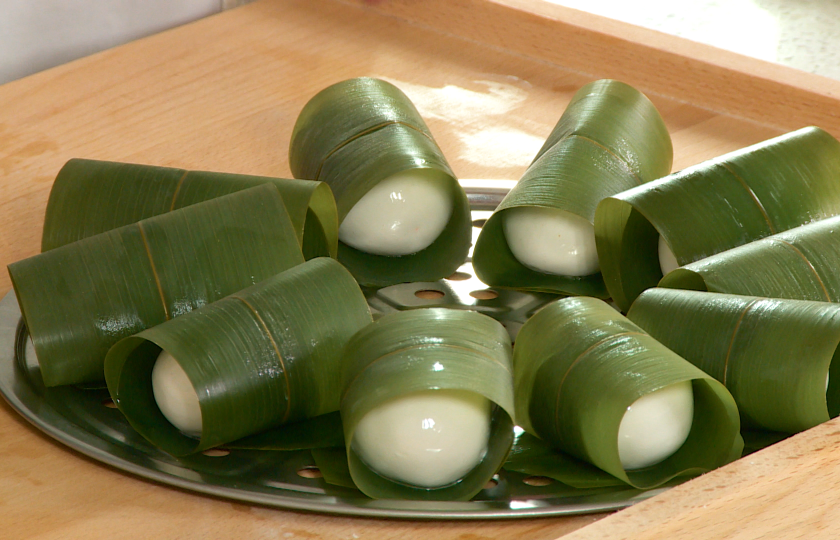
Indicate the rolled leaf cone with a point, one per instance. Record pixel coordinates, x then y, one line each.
90 197
579 365
81 298
358 133
343 112
610 139
373 158
773 355
633 132
428 349
261 357
717 205
800 264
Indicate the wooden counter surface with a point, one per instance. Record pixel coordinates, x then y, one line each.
491 79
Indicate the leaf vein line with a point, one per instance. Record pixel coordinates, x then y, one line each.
575 363
264 326
362 134
178 190
154 271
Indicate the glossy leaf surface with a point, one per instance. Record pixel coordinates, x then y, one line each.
83 297
774 356
264 356
579 365
717 205
610 139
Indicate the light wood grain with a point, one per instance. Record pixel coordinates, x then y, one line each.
491 78
788 491
652 61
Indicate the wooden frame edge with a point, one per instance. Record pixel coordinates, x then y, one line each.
652 61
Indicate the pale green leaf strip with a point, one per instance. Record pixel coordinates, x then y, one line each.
774 355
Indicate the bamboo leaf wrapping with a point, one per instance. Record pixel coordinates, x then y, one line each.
428 349
261 357
717 205
773 355
90 197
635 130
532 455
342 113
324 431
332 463
579 364
610 139
798 264
358 133
83 297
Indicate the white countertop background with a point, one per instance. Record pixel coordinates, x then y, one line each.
39 34
804 34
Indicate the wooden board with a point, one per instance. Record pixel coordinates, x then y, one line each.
491 78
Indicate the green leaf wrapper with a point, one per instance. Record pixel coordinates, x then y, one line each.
621 119
332 462
773 355
81 298
324 431
799 264
610 139
717 205
90 197
759 440
579 364
532 455
343 112
266 355
358 133
428 349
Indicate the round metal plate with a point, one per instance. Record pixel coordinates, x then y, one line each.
84 419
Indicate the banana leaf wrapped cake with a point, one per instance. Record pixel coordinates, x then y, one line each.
264 356
593 384
541 237
403 215
427 404
89 197
81 298
777 357
755 192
